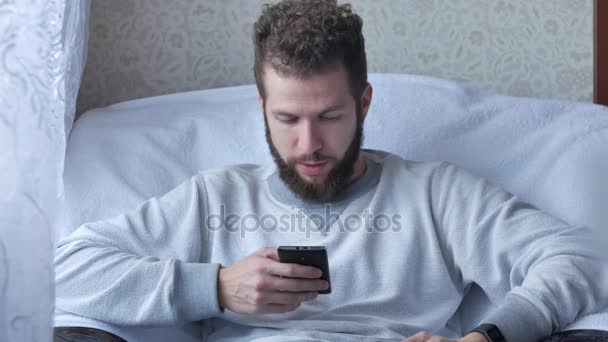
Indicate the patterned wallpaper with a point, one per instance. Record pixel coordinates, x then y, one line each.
535 48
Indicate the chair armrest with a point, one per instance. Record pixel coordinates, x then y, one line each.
83 334
578 335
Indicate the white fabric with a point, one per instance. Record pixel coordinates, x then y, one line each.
69 55
549 153
38 43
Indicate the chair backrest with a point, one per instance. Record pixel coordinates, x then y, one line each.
551 154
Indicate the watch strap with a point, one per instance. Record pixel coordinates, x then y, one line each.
490 332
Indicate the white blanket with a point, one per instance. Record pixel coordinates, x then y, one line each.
551 154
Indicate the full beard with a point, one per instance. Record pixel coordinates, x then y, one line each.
337 179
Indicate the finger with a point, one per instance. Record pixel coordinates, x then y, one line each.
419 337
439 339
286 298
297 285
414 338
270 283
276 308
294 270
268 252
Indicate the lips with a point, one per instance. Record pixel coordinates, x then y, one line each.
314 163
312 168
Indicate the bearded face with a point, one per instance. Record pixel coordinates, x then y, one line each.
338 176
314 130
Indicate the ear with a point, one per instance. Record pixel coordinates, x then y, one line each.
366 99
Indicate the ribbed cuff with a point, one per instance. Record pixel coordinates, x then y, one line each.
195 296
519 320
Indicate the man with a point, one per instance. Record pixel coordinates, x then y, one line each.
406 240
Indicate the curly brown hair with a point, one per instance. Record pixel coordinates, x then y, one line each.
304 37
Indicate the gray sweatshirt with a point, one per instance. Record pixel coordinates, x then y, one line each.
405 243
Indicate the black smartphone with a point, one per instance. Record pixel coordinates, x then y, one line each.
315 256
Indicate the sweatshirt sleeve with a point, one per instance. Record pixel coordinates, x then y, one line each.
141 268
541 272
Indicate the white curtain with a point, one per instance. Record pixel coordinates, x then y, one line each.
42 53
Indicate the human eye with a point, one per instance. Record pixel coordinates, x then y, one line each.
330 117
285 118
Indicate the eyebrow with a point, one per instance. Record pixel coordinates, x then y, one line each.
325 111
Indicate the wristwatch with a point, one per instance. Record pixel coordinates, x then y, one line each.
491 332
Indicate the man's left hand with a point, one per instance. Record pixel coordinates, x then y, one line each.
424 336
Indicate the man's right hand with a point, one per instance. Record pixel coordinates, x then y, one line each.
253 285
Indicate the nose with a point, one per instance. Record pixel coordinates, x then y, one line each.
309 140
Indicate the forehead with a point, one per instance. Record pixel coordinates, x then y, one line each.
291 92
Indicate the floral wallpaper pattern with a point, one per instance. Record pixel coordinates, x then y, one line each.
534 48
